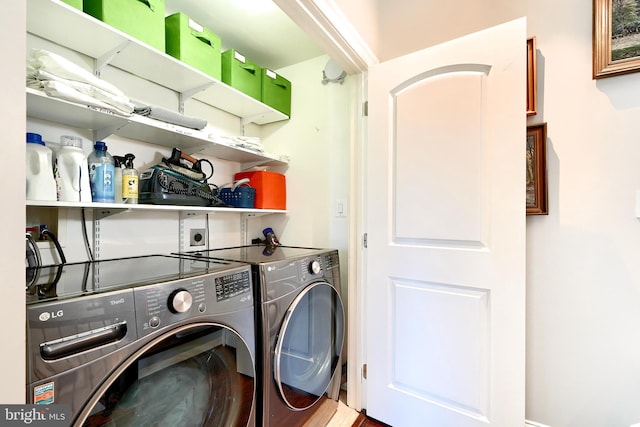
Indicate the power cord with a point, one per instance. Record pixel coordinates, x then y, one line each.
49 235
33 261
86 236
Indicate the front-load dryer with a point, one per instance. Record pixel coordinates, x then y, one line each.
153 340
300 323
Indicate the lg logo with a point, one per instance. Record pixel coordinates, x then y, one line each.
53 315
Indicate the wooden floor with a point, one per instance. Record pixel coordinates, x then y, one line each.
364 421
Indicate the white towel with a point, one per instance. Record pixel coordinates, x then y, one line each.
60 90
120 102
61 78
247 142
168 116
62 67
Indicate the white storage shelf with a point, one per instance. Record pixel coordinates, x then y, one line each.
103 210
70 27
140 128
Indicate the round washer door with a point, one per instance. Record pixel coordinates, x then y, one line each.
309 344
198 375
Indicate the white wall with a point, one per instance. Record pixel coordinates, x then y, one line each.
583 258
317 138
393 28
364 16
12 102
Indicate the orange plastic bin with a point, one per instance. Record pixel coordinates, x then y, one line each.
271 188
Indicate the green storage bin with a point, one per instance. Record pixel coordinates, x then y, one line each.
142 19
193 44
276 91
242 74
75 3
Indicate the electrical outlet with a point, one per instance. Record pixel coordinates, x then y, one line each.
197 237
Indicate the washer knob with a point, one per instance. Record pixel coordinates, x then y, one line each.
315 267
180 301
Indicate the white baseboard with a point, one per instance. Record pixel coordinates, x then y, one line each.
528 423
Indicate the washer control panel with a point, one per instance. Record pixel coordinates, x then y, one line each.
232 285
161 305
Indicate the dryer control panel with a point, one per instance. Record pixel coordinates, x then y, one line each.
281 278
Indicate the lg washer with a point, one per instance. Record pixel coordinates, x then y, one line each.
153 340
300 326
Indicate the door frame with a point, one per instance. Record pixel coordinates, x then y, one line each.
326 24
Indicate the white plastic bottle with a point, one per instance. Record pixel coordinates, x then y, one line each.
101 173
41 185
71 171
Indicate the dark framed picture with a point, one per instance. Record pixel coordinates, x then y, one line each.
537 170
616 37
532 77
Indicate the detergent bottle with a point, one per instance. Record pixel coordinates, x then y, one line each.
41 184
71 171
129 181
101 173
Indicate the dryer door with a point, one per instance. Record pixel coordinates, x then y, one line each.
309 344
197 375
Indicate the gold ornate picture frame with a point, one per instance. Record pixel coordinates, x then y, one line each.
616 37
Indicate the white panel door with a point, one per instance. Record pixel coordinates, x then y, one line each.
445 275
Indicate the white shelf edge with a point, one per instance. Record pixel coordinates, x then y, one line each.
121 207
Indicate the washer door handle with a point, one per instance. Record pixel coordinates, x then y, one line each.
67 346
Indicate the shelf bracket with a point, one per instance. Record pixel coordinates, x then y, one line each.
96 238
244 227
102 213
100 134
103 60
250 119
190 214
264 162
186 95
196 148
249 165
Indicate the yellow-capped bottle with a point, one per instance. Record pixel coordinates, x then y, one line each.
129 181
